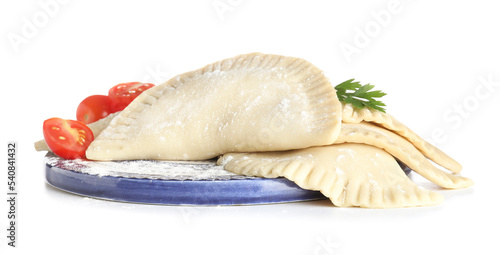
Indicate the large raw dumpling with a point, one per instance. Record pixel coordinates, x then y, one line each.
252 102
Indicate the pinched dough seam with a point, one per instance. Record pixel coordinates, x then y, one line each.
427 170
297 66
413 161
352 115
337 189
119 125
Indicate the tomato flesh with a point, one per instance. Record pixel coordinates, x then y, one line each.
123 94
68 139
93 108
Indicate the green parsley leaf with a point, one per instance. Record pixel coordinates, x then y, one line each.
360 96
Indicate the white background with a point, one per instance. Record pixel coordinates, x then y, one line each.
435 59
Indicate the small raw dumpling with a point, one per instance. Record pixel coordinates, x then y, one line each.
253 102
349 174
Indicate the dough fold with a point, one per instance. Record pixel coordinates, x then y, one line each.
348 174
401 149
353 115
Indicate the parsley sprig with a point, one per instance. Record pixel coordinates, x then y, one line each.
360 96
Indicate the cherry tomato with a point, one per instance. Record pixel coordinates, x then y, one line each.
93 108
68 139
124 93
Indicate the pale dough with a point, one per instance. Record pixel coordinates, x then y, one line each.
251 102
403 150
348 174
353 115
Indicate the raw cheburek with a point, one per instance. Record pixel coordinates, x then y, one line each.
254 106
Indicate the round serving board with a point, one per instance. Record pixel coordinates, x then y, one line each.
169 182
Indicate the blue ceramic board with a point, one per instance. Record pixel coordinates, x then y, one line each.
169 183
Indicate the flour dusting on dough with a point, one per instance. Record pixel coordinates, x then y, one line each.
147 169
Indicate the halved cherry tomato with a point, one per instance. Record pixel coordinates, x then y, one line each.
68 139
124 93
93 108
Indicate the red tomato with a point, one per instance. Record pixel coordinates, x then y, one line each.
68 139
93 108
124 93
